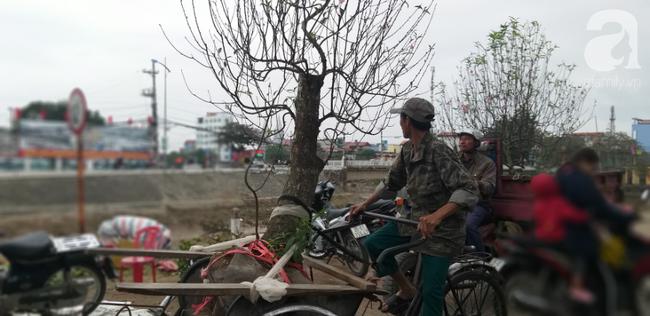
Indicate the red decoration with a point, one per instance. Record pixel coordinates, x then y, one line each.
17 114
130 121
149 120
42 114
110 120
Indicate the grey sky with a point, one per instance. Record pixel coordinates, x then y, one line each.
49 47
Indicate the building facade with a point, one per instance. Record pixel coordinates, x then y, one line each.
189 146
206 137
641 133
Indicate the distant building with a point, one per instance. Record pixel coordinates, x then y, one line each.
206 138
375 147
356 145
7 143
641 133
189 146
394 149
589 138
450 139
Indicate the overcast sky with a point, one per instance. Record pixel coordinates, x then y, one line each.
47 48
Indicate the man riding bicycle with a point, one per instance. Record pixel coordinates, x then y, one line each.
484 172
441 191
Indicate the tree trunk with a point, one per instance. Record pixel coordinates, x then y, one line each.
305 164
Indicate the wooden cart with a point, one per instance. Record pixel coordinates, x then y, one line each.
342 300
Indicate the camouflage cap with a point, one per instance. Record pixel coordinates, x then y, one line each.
417 109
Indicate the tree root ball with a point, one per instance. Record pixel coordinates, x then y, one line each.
237 268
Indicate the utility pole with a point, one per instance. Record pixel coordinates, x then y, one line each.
612 122
154 110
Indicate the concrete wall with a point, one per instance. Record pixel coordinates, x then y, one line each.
366 173
22 193
147 189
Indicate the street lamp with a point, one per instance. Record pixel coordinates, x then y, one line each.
165 119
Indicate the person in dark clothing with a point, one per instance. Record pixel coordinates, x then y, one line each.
119 163
578 187
553 212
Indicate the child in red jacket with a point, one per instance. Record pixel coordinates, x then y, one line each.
552 213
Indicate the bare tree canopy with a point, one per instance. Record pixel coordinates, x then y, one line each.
308 62
509 90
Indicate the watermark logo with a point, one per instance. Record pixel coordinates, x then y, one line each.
613 82
598 52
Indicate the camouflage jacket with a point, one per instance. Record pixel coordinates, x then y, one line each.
484 172
434 177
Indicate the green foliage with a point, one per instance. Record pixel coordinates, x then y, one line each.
300 238
615 151
183 264
284 241
238 136
276 152
56 111
366 154
197 156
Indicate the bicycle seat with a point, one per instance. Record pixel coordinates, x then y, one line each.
29 247
336 212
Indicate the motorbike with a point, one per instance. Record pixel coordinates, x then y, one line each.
537 275
53 276
325 217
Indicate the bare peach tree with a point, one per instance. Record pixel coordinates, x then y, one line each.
319 65
508 89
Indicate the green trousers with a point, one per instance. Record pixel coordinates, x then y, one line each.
434 269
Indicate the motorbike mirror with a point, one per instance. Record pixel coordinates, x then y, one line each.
645 195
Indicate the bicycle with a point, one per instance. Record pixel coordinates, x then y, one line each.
461 286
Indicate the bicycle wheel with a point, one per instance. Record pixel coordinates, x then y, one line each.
474 293
300 309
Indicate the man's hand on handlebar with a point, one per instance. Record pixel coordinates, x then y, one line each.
428 224
356 209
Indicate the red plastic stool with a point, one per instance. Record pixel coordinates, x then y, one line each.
152 241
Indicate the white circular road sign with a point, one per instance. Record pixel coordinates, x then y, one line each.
77 111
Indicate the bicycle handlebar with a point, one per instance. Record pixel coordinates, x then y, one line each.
390 218
400 248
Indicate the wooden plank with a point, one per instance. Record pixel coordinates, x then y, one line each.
221 289
149 253
340 274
